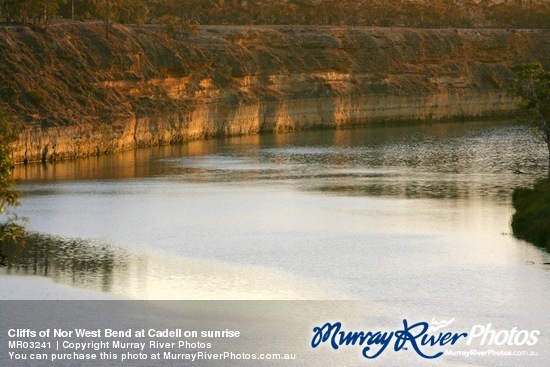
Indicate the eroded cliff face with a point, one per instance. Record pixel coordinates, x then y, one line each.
78 94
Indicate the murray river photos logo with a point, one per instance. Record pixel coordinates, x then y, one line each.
427 340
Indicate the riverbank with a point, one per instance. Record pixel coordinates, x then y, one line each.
78 94
530 222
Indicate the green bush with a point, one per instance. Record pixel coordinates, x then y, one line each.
531 221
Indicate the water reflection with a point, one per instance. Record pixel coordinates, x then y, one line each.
74 261
361 159
429 187
146 275
248 217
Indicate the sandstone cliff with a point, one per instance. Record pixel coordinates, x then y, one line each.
78 94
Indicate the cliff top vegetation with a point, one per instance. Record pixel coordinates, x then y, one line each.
401 13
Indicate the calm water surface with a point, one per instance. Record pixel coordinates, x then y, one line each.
414 219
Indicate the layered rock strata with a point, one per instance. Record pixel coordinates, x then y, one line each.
78 93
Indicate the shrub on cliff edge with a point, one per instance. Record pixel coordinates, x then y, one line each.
11 228
532 87
531 221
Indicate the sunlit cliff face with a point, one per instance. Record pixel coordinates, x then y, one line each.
139 89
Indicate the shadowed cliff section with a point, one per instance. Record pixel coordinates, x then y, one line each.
79 94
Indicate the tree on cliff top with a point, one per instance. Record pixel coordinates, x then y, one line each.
107 11
11 229
532 86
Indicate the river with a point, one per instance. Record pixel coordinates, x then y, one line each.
412 218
